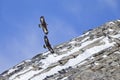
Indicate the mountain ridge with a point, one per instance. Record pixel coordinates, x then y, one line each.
87 57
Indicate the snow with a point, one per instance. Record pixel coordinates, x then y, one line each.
116 36
104 56
118 20
117 52
88 53
30 73
110 23
64 78
26 76
96 63
92 57
89 42
72 42
86 33
78 59
11 70
110 30
65 49
80 63
46 53
52 59
85 39
22 72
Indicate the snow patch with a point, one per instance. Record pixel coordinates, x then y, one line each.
111 23
96 63
85 39
110 30
64 78
116 36
77 60
118 20
104 56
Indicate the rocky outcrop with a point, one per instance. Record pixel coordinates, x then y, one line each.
93 56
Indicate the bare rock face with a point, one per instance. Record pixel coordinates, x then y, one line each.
104 66
93 56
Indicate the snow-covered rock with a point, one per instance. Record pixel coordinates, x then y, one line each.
93 56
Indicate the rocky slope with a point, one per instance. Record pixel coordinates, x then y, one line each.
95 55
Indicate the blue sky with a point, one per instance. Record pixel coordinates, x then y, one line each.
20 37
